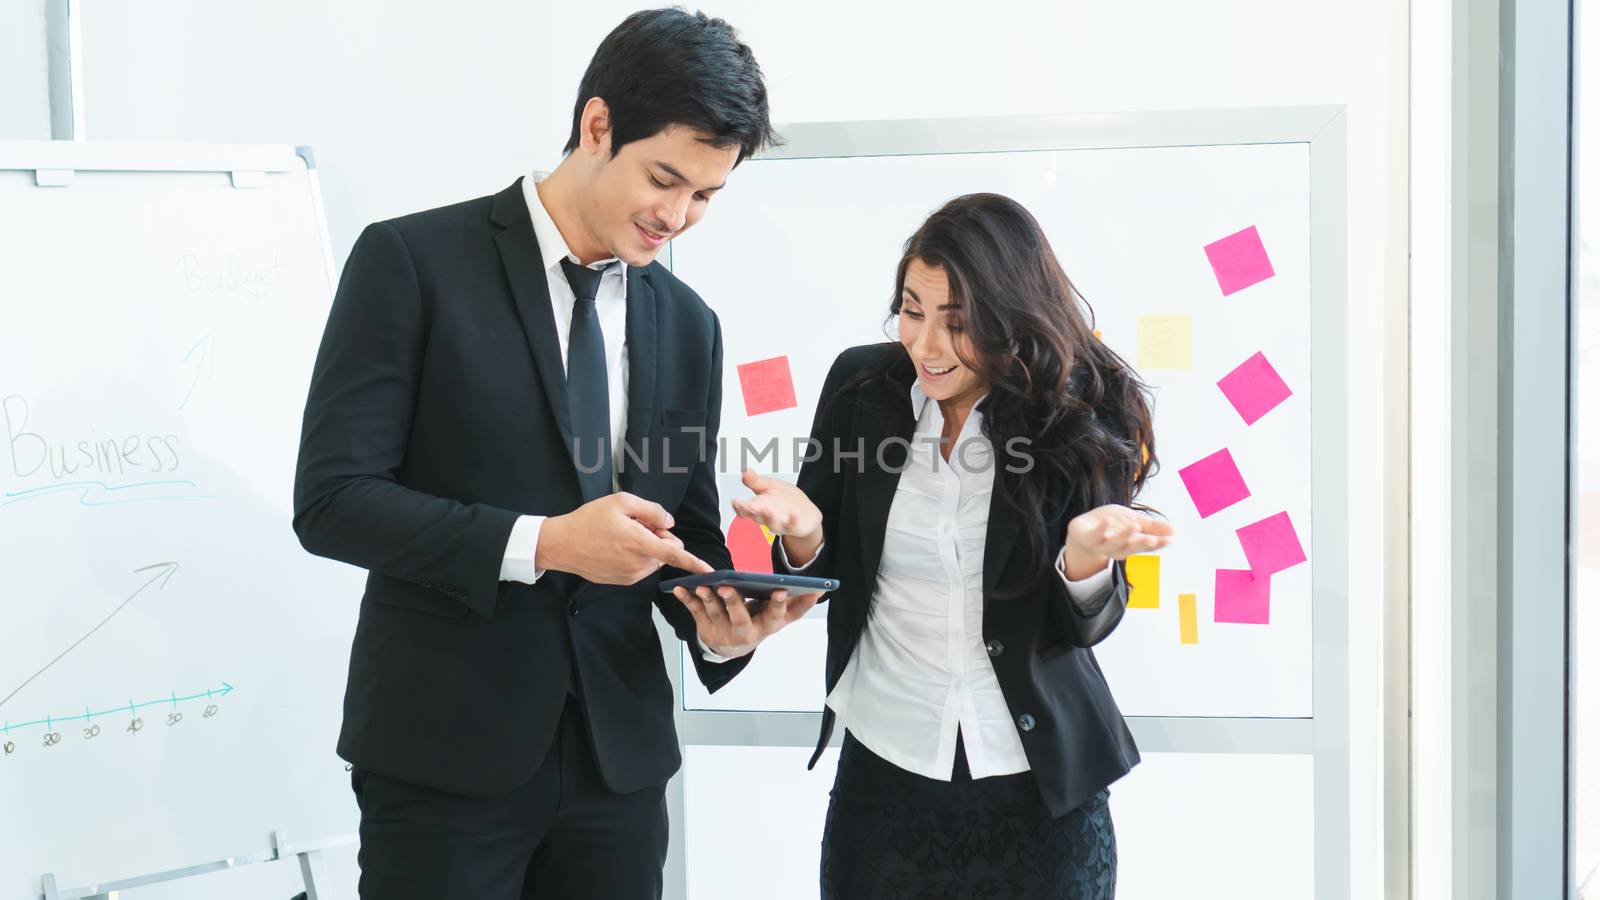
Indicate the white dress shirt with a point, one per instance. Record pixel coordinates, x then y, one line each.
921 671
611 303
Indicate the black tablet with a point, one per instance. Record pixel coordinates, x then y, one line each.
754 584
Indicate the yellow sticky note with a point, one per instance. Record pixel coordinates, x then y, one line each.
1188 620
768 535
1098 335
1166 342
1144 582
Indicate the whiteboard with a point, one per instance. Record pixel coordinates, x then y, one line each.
799 261
172 661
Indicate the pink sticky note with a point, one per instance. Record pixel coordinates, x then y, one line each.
1239 260
767 386
749 547
1242 597
1271 545
1254 388
1214 483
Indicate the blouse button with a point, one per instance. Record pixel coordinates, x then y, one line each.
1025 722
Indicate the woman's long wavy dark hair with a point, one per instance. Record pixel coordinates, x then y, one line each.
1051 380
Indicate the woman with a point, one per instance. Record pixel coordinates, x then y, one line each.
974 495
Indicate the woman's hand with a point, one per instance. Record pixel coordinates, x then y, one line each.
786 511
1110 532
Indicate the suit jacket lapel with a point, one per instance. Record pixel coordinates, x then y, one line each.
519 254
642 357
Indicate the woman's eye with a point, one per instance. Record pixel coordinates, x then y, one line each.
658 184
910 314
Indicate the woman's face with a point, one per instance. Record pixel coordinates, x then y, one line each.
932 332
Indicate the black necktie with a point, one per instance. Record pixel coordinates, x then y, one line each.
587 396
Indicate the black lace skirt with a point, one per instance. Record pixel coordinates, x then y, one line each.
895 835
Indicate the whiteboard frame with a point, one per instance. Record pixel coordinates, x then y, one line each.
56 162
1325 735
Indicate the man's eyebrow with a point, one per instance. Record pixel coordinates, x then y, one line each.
681 177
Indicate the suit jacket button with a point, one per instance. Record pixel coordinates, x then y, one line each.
995 648
1025 722
572 608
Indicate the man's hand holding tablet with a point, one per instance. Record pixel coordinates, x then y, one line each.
731 625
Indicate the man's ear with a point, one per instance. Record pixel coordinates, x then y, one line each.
594 128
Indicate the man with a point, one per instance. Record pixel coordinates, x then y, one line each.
511 425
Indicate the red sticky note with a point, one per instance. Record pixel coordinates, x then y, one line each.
1239 260
1243 597
1214 483
749 547
1254 388
767 386
1271 545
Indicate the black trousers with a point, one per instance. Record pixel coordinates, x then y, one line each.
563 835
896 835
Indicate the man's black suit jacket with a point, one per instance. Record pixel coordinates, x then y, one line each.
437 415
1072 732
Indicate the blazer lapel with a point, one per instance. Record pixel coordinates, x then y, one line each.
1001 534
519 254
877 484
642 357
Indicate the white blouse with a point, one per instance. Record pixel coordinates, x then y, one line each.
921 670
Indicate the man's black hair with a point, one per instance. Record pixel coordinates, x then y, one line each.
666 67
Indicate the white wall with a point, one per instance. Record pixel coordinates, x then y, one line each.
416 104
24 71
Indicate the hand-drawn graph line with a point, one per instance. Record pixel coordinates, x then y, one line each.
207 364
163 574
50 722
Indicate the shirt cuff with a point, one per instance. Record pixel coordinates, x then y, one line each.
521 548
709 655
1088 589
784 555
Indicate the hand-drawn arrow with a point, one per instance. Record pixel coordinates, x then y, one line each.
163 574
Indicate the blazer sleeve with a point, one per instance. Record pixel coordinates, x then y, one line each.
820 479
1090 620
698 523
349 503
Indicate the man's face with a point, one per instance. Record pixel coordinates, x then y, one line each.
652 190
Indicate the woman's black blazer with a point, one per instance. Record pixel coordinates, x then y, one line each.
1074 735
